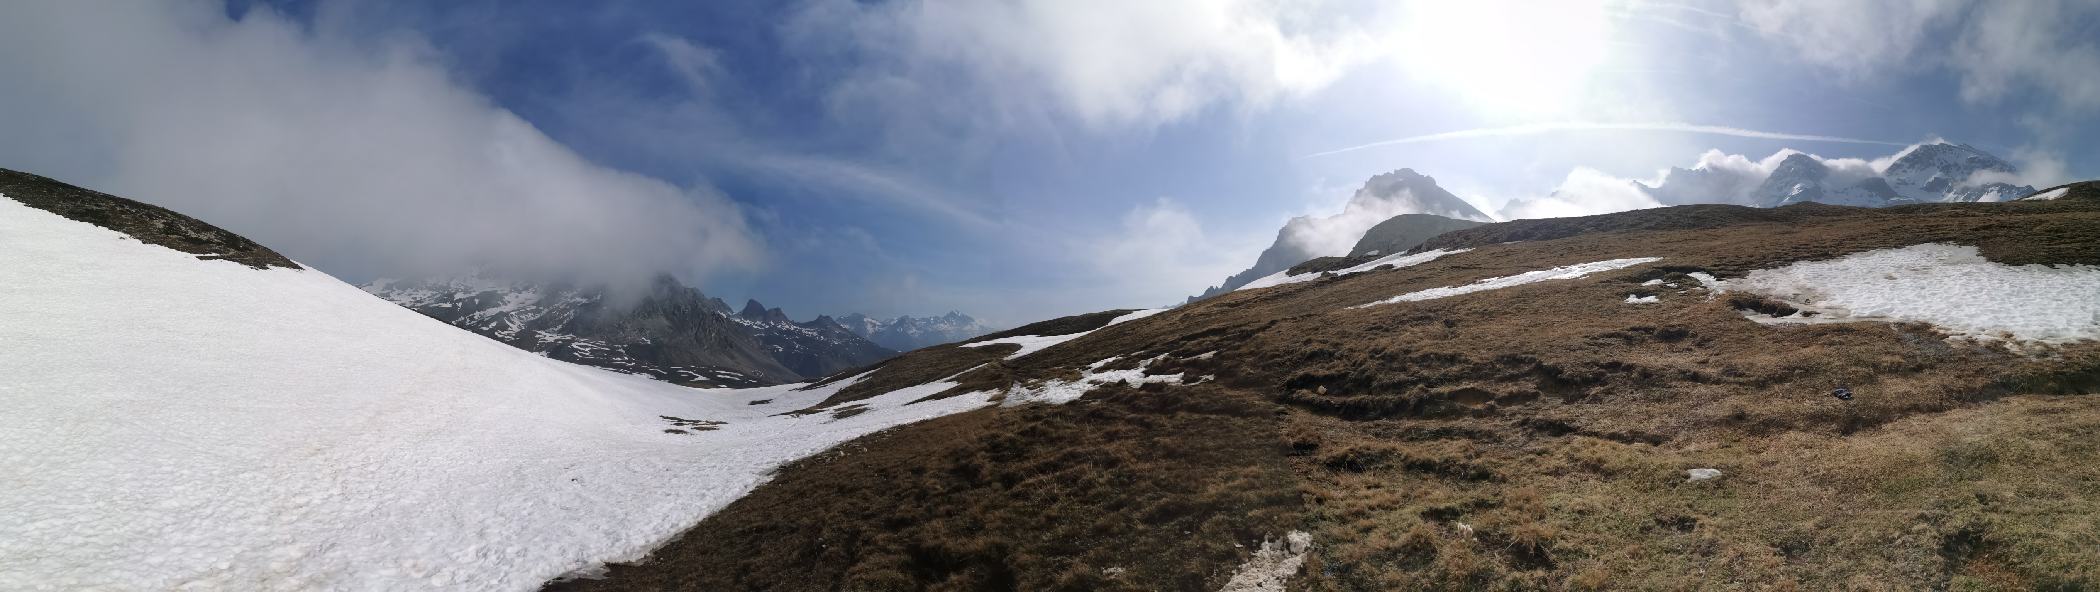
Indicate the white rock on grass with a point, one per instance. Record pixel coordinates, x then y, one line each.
1703 474
1271 567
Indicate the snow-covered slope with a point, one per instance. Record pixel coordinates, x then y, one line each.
1950 286
176 423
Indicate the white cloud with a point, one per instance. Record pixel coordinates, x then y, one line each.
360 159
1716 177
1585 192
1588 126
1856 37
2013 46
1332 235
2037 168
1100 62
1161 253
696 65
1998 49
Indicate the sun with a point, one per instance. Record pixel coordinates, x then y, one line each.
1515 59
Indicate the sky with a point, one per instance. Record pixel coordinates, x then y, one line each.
1010 159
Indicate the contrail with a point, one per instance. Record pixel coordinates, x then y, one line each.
1571 126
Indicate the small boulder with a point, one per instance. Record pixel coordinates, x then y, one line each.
1703 474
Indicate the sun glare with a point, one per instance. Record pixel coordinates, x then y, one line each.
1510 58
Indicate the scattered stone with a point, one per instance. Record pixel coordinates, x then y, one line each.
1703 474
1842 393
1271 567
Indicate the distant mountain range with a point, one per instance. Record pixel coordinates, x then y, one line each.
671 331
1926 173
1396 211
906 333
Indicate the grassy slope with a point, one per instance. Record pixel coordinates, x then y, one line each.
1534 437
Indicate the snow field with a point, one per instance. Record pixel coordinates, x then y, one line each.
177 423
2049 195
1950 286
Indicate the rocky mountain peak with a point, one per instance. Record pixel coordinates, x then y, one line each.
1947 172
1801 166
753 310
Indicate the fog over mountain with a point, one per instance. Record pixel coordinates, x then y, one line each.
1383 196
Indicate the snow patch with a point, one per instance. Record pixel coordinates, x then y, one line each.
1565 272
2049 195
1272 566
1633 299
177 423
1035 343
1058 392
1950 286
1397 261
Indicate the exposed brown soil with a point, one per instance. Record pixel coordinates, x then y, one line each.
151 224
1534 437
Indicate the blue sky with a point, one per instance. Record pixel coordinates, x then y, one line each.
1013 159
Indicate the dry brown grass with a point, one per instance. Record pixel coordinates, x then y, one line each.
1128 491
1529 438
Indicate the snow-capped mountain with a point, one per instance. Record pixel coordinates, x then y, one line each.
1926 173
1948 172
906 333
671 332
1382 197
814 349
1802 178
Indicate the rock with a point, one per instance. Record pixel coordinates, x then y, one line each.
1300 541
1703 474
